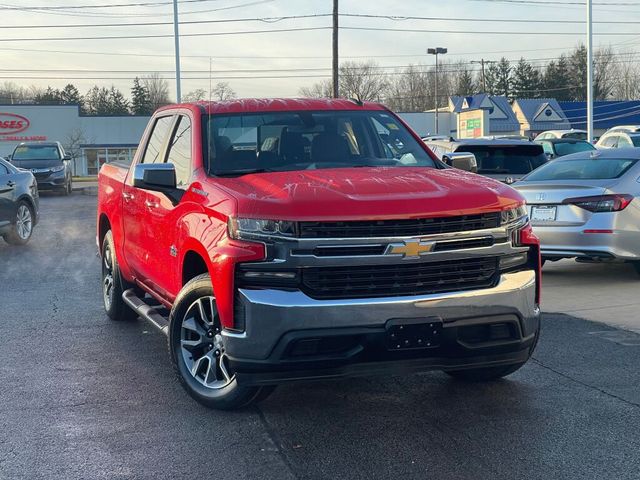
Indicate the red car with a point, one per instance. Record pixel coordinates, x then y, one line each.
285 240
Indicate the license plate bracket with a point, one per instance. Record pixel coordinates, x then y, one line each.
544 213
413 333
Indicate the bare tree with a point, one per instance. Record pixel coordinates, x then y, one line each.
410 90
625 77
195 95
158 89
362 81
222 91
321 89
73 146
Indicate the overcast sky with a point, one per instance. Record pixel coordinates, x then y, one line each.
297 51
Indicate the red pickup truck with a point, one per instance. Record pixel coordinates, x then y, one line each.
285 240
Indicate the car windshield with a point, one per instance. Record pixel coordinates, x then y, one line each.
576 135
510 159
565 148
36 152
582 169
284 141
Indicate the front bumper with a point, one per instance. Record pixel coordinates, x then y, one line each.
290 336
53 181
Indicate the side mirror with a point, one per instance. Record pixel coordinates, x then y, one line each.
158 177
549 155
67 157
462 160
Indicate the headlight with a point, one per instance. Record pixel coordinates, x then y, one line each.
508 217
57 169
252 227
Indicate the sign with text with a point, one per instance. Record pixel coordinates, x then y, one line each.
472 123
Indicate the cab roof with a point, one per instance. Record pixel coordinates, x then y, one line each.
253 105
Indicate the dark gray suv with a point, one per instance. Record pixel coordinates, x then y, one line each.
48 162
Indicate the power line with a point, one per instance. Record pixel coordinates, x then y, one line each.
108 5
317 15
137 37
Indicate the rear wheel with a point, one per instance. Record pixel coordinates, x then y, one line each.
113 285
636 265
198 352
22 227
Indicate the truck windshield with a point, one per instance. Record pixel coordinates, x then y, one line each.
285 141
36 152
509 159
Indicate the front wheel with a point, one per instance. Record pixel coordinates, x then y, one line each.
197 350
636 265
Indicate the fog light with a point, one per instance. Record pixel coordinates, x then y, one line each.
270 275
512 261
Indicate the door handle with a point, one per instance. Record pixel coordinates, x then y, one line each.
127 196
150 204
11 183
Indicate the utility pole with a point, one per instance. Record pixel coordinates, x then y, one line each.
484 77
176 35
590 70
437 51
335 66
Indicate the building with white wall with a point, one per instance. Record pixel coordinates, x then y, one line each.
91 140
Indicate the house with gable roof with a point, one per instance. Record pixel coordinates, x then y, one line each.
536 115
502 120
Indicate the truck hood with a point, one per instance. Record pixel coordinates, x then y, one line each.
367 193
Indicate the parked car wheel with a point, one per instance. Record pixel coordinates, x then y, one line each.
68 188
113 285
488 374
22 228
636 264
197 350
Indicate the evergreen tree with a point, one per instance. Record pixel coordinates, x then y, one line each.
140 99
97 102
118 104
465 84
70 95
525 80
578 73
498 78
557 79
50 96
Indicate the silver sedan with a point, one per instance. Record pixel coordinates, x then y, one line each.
586 206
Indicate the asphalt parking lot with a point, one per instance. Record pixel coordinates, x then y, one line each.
83 397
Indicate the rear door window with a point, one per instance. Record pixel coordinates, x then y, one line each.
610 141
157 140
3 170
624 142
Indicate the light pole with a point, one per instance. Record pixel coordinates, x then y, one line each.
590 70
437 51
176 35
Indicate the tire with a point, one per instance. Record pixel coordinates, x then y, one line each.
68 188
489 374
195 345
636 265
22 227
113 285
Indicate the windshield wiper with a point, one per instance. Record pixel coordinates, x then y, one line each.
237 173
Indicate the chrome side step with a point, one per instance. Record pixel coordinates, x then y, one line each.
146 311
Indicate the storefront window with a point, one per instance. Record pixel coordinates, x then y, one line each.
96 157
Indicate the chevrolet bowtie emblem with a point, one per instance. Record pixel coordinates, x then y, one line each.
410 249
